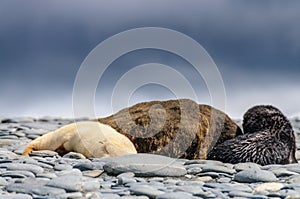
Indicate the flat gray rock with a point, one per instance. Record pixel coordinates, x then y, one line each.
146 165
219 169
44 153
70 183
248 165
35 189
175 195
145 190
145 170
23 167
254 175
15 196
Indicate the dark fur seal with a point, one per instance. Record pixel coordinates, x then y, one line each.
268 139
179 128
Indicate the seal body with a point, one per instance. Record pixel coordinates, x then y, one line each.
92 139
268 139
175 128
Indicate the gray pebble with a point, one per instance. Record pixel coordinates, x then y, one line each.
175 195
12 137
245 195
44 153
15 196
248 165
252 175
73 155
46 175
282 172
70 195
224 180
219 169
190 189
67 182
90 185
135 197
145 170
3 182
93 173
211 174
62 167
145 190
17 174
287 193
294 168
206 162
22 167
34 189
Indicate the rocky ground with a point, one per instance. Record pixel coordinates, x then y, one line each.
47 175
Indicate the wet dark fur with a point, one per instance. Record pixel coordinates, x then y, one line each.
269 139
188 136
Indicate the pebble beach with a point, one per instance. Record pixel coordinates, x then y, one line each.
45 174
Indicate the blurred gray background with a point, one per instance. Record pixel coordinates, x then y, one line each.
255 45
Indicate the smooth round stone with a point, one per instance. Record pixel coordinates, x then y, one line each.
190 189
19 134
245 195
62 167
272 166
89 166
6 142
218 169
269 187
46 175
70 195
194 171
145 190
252 175
15 196
282 172
93 173
211 174
205 179
22 167
44 153
8 155
17 174
288 193
32 136
294 179
248 165
34 189
175 195
217 185
135 197
293 168
70 183
224 180
73 155
3 182
74 172
90 186
145 170
207 162
156 179
11 137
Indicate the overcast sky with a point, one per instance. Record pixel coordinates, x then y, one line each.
255 45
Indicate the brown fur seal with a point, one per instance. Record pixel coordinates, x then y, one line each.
181 133
92 139
269 139
175 128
